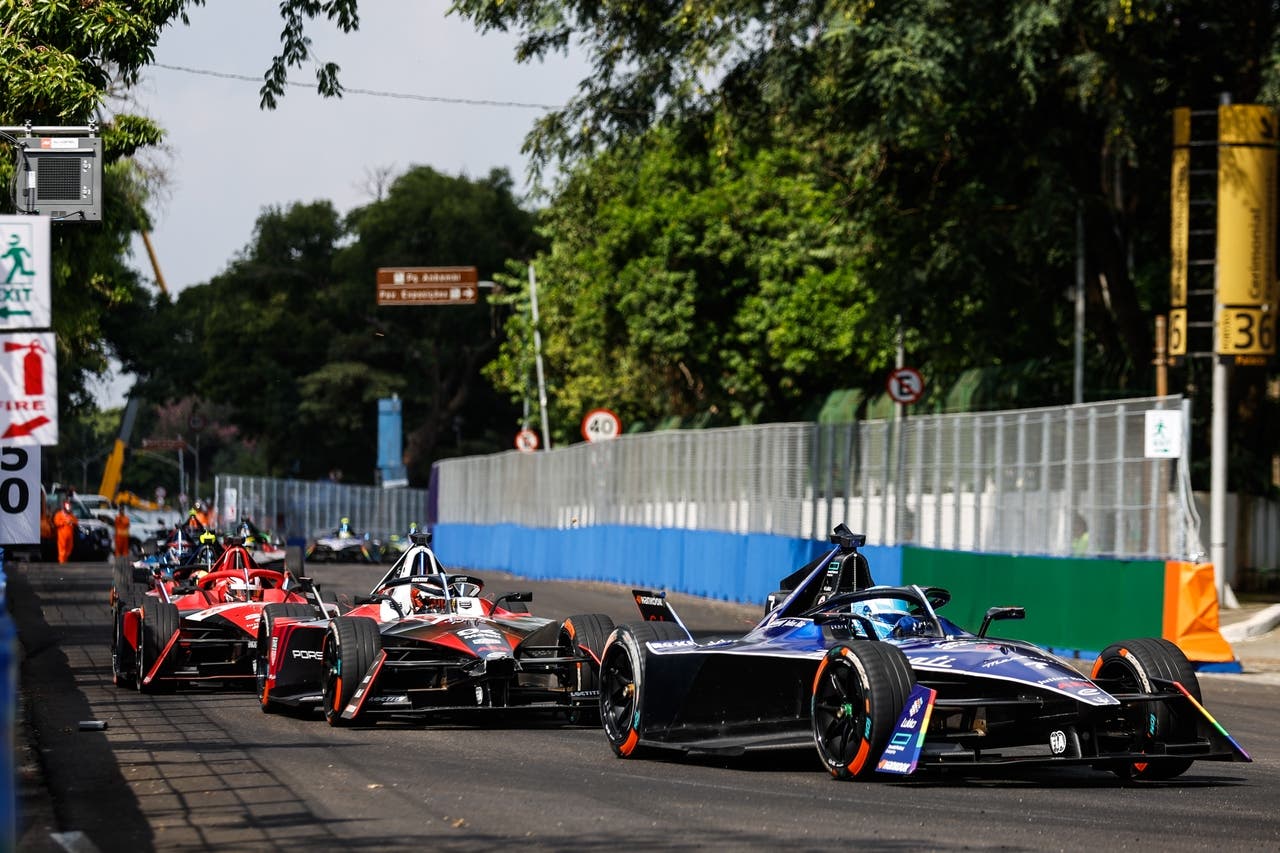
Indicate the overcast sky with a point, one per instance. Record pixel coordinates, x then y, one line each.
228 160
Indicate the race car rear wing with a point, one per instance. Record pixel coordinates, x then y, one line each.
654 607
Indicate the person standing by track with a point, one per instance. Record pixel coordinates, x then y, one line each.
64 523
122 532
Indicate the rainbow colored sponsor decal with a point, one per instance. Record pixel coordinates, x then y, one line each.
1203 710
903 752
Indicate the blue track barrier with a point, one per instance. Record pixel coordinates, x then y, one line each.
727 566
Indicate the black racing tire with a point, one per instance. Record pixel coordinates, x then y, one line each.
122 675
126 589
622 678
350 647
586 634
160 622
859 692
262 653
1134 663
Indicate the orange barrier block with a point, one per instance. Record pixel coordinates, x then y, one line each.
1191 612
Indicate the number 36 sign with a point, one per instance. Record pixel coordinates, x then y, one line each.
19 495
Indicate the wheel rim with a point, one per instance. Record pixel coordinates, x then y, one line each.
117 634
332 678
260 664
618 695
839 715
141 657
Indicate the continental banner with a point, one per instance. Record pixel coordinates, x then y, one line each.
1180 211
1246 265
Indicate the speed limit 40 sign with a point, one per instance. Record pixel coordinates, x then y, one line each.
601 425
19 495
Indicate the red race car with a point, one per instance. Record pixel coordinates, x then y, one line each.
426 644
202 625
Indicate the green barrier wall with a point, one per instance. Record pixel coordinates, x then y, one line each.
1073 606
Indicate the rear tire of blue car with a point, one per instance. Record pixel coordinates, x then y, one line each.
262 654
160 622
350 647
1133 664
586 634
622 668
859 691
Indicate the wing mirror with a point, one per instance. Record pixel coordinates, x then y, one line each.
512 596
997 613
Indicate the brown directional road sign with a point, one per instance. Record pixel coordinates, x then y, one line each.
427 286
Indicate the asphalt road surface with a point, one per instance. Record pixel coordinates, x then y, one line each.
207 770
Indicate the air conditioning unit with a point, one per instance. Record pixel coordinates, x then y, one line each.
59 177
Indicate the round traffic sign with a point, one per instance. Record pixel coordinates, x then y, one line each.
601 425
526 441
196 422
905 385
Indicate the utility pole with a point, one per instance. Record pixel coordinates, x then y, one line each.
537 357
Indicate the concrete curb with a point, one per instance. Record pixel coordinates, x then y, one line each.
1256 625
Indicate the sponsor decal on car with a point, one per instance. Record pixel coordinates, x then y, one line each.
1057 742
903 752
936 661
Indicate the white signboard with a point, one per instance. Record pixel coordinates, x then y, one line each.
25 301
1162 434
28 388
19 495
230 505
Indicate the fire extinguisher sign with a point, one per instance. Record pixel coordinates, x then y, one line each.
28 388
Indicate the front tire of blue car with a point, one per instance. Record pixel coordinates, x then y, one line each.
1134 664
622 669
858 694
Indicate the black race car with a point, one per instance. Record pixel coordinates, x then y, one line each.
876 680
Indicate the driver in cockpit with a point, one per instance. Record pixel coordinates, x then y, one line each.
885 614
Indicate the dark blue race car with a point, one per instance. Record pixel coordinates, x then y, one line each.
876 680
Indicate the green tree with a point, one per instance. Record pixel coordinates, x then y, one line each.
59 62
960 144
289 339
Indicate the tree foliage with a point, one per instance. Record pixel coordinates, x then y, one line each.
289 339
60 61
953 147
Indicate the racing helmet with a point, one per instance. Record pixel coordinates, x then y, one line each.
236 589
884 611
